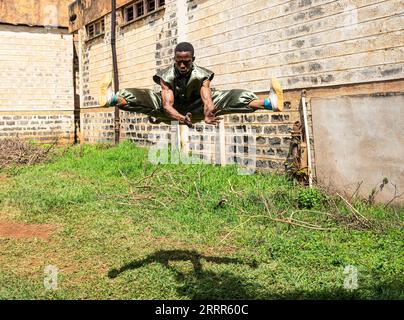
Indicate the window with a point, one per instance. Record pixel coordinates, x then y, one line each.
141 8
129 14
96 28
151 5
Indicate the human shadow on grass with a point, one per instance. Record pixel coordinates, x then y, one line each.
199 283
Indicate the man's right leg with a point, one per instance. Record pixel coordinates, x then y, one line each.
133 100
244 101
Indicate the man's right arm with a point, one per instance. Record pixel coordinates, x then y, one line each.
167 96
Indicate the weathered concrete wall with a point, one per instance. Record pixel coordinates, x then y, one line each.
365 89
35 12
82 12
359 139
306 43
36 87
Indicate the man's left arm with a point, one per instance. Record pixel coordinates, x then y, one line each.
208 106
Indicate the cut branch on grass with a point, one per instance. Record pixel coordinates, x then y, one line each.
232 190
236 227
303 224
355 212
293 223
135 196
197 191
290 221
396 196
127 180
356 191
147 177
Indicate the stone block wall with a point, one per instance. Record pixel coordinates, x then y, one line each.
41 126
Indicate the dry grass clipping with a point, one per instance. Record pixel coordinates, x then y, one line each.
15 151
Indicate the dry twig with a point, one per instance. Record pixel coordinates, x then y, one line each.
355 212
396 196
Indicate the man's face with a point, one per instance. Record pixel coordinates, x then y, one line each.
183 61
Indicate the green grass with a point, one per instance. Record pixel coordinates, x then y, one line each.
127 229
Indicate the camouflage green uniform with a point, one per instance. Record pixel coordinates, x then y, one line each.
187 96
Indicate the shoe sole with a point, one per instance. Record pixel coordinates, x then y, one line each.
106 82
276 86
154 120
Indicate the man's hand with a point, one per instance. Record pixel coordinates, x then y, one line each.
187 120
211 118
208 106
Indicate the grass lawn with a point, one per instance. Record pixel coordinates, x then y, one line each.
117 227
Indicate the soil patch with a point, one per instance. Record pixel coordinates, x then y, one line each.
21 230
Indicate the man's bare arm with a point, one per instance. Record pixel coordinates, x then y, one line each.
208 106
206 96
167 96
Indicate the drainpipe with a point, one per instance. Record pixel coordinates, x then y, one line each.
307 137
115 67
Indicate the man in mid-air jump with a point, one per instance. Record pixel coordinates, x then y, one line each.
186 95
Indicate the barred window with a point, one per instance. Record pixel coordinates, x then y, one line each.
140 8
151 5
96 28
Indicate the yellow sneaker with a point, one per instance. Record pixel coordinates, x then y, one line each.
276 95
105 91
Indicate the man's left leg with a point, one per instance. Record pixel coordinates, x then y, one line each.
274 101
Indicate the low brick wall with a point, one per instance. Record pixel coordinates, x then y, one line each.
41 126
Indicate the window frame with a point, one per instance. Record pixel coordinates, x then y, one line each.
158 5
100 24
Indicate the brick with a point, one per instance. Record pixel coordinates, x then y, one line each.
286 140
262 164
282 152
257 129
275 164
269 129
249 118
269 152
284 129
234 118
263 118
243 149
274 141
277 118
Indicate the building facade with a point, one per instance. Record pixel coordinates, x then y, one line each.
348 56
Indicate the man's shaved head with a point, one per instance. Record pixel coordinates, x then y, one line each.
184 57
184 47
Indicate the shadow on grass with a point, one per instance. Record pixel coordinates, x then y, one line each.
199 283
202 284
